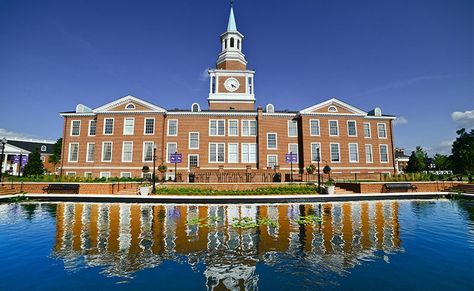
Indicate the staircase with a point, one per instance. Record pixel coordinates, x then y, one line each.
464 188
5 190
339 190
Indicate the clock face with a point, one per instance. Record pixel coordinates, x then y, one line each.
231 84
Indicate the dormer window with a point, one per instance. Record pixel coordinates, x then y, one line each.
43 148
377 111
130 106
332 109
195 107
270 108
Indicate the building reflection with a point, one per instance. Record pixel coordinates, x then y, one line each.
125 238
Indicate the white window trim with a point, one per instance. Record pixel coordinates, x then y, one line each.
276 141
168 128
242 152
144 126
101 174
355 124
288 128
297 150
385 129
370 130
242 127
217 127
87 152
319 128
320 153
167 150
276 160
189 141
371 153
332 108
126 106
123 147
228 125
228 153
192 107
380 154
113 126
69 153
85 174
330 152
357 149
329 127
133 127
89 128
111 151
217 152
72 123
121 174
189 160
69 172
143 151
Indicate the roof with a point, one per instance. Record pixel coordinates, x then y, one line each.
32 145
231 25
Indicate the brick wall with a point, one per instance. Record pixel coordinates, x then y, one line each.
377 187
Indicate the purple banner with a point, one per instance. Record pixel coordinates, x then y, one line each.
176 158
291 158
24 159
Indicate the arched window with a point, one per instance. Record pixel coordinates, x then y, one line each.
231 42
377 111
195 107
43 148
130 106
332 109
270 108
238 44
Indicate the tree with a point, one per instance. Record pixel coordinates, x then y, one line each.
417 161
34 165
463 152
55 158
442 162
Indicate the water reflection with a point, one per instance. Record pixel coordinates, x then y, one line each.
125 238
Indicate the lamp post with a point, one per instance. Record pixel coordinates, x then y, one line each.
20 161
4 142
319 175
175 167
154 169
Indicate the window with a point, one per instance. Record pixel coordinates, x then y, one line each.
351 128
43 159
292 128
272 161
75 127
368 153
249 128
383 153
92 127
193 161
90 152
71 174
195 107
194 140
106 151
172 127
216 152
43 148
332 109
271 141
382 130
125 175
213 84
231 42
233 128
127 151
108 126
293 148
149 126
249 153
88 175
333 128
335 153
314 127
105 175
233 153
171 148
128 125
73 152
367 130
217 127
147 176
148 151
315 146
130 106
250 85
270 108
353 153
238 43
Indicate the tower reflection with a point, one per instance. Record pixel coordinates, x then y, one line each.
125 238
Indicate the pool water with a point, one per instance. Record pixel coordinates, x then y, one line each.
424 244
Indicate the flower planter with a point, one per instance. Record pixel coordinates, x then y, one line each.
144 190
330 189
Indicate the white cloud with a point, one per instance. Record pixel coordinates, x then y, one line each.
400 120
10 134
465 118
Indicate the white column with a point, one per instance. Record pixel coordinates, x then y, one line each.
4 168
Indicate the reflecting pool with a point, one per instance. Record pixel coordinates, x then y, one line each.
426 244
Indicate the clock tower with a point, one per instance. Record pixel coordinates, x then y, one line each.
231 84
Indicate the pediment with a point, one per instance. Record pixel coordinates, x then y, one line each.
129 104
333 106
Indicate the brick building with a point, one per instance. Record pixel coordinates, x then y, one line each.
231 136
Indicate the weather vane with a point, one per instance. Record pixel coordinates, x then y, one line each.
231 3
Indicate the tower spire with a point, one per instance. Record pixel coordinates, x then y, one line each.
231 26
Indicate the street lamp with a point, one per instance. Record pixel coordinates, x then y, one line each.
20 161
319 175
4 142
154 168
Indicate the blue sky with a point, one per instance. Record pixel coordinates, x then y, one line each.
412 58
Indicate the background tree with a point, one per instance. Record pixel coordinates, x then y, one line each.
55 158
34 165
417 161
442 162
463 152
